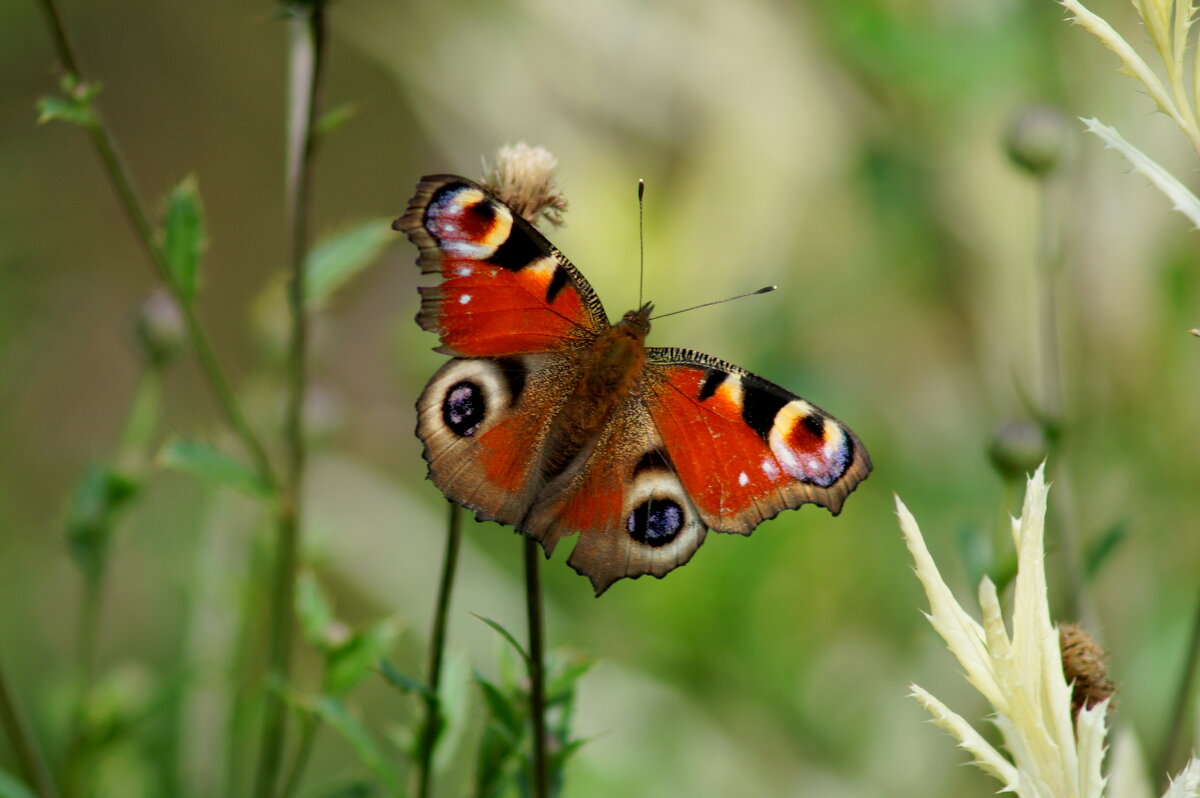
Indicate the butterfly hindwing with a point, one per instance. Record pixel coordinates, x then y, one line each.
504 288
484 422
744 448
625 501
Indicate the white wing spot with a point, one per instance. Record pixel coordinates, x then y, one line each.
743 480
464 299
464 271
769 468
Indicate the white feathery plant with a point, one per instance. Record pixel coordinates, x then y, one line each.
1053 752
1168 23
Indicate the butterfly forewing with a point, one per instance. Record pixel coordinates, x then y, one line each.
504 288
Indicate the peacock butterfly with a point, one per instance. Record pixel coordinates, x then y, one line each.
553 420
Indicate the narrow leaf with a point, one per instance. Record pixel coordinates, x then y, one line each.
507 636
402 681
1181 198
314 610
183 237
340 257
347 664
212 465
1099 552
501 708
335 714
335 117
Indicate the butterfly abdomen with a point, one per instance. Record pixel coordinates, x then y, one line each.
611 368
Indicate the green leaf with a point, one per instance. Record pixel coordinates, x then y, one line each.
314 610
12 787
73 106
501 708
402 681
335 117
341 256
560 687
496 749
1103 547
333 711
348 663
507 636
212 465
183 237
100 496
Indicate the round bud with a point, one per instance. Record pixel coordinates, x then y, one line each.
1036 138
1017 448
159 328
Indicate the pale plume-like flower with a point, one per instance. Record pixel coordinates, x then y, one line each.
1168 23
1051 753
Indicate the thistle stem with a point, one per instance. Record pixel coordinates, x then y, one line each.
306 25
437 645
24 745
135 210
537 687
1076 602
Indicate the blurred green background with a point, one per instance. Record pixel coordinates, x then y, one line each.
851 152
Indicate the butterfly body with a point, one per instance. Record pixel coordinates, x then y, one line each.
553 420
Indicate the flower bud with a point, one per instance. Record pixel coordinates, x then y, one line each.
1036 139
1017 448
159 328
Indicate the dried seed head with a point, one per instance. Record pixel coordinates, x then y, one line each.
523 178
1083 665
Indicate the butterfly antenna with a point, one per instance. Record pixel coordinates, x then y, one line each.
641 241
764 290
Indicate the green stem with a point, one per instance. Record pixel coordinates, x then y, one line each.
437 646
29 756
1182 704
306 26
537 686
134 208
1077 604
308 735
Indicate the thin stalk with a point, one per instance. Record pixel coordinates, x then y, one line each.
1076 602
308 735
75 766
135 210
437 647
537 685
306 27
29 757
1182 704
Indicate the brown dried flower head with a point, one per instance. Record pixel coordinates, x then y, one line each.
1083 665
523 178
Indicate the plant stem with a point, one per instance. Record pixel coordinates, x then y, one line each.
1182 705
1077 603
537 686
20 736
306 27
437 646
308 735
134 208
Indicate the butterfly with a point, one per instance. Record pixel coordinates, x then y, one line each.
553 420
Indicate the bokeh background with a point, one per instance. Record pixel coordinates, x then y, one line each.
851 152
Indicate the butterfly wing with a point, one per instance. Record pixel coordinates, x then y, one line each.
504 288
744 448
624 499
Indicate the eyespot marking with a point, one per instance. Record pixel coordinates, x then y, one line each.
463 408
655 522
